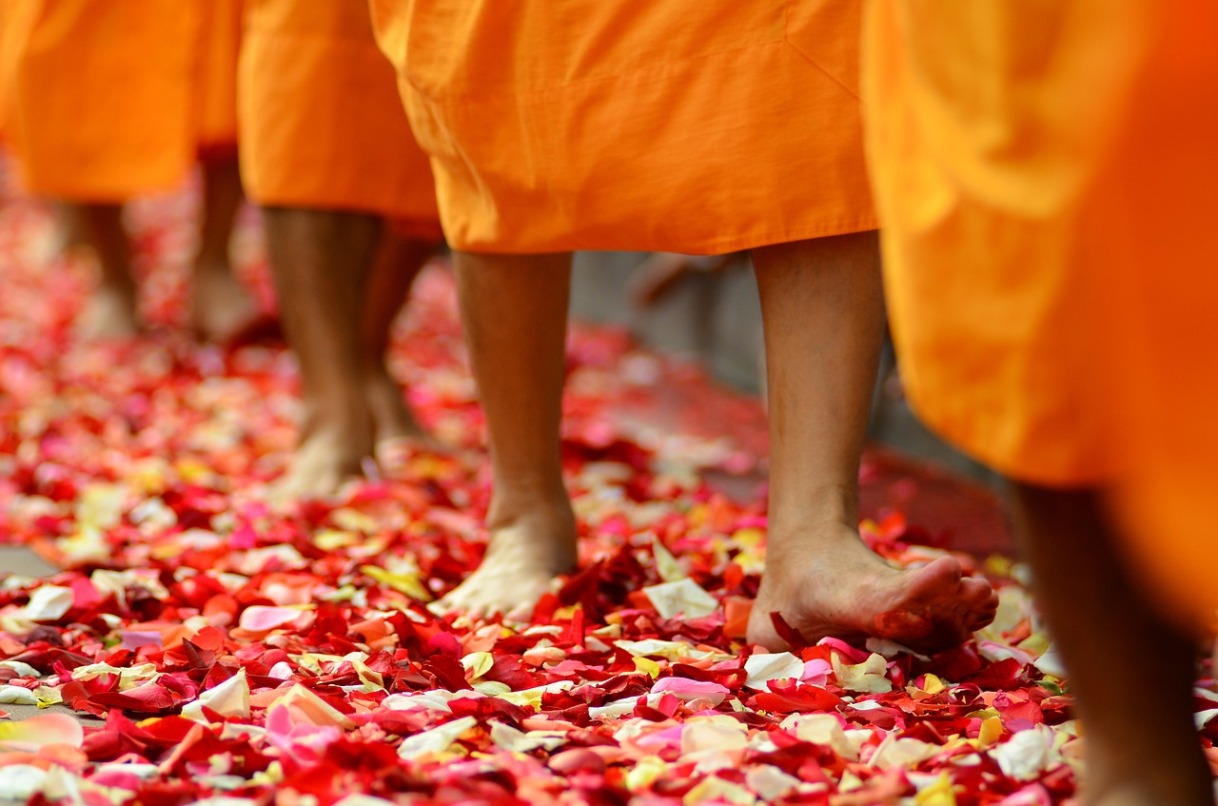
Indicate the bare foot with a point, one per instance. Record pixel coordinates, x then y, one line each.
848 591
220 306
327 458
332 453
109 314
520 564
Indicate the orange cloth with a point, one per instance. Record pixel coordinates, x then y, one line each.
217 47
1045 175
688 125
321 122
112 98
13 25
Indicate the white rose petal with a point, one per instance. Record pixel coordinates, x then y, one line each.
770 783
16 695
230 698
425 701
682 596
20 782
517 741
436 740
774 666
868 677
1026 754
48 603
894 752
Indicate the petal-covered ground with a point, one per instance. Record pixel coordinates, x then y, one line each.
201 644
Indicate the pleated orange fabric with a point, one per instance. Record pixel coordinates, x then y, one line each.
107 93
13 25
321 122
216 54
1045 176
689 125
1156 216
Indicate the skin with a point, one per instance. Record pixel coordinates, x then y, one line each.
823 316
1104 624
514 311
111 312
220 306
397 263
341 279
823 313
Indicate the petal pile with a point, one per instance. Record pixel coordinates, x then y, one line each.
204 645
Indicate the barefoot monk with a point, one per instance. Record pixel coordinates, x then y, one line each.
350 215
689 126
114 99
1045 174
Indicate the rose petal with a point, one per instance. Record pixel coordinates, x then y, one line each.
1027 754
261 618
763 668
44 729
21 782
682 597
437 739
48 603
229 698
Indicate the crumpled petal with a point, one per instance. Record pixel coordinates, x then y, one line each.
48 603
1027 754
17 695
437 739
21 782
868 677
230 698
763 668
38 731
681 597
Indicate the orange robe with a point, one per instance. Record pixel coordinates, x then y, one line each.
114 98
12 26
687 125
321 123
1045 176
217 47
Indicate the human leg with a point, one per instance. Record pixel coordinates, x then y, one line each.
68 237
514 310
1102 622
321 261
219 304
394 269
824 323
112 311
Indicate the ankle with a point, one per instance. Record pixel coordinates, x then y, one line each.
209 264
122 288
810 531
814 504
378 379
342 421
515 508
